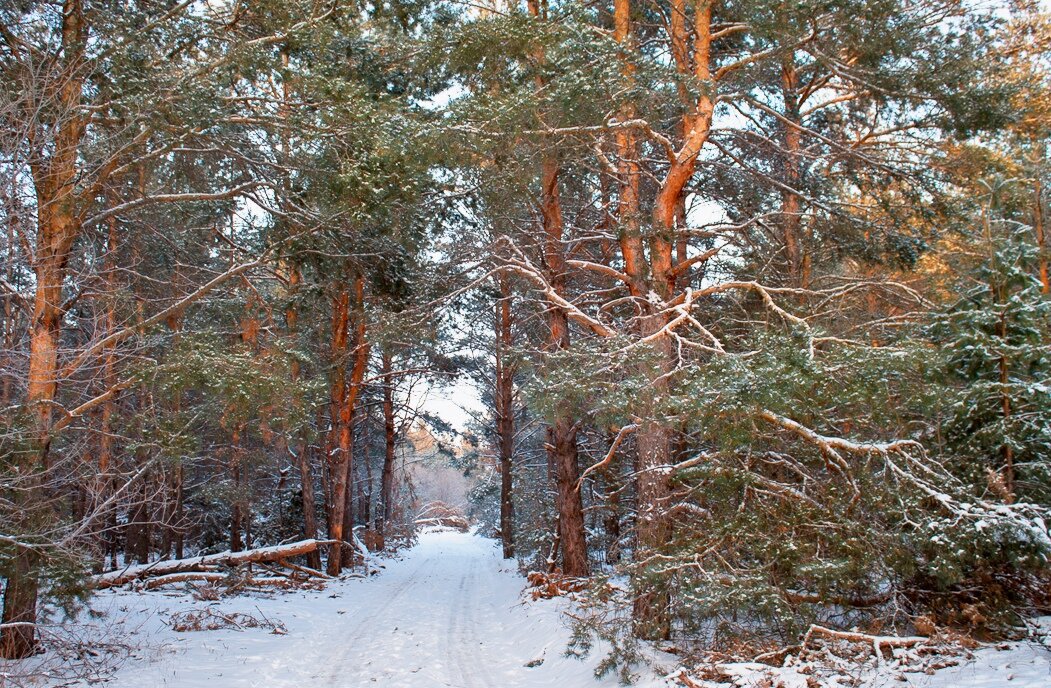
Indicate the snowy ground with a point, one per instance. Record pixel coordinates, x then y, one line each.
448 613
1016 666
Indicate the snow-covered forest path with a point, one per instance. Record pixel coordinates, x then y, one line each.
448 613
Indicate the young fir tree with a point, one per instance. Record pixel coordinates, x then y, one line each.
996 341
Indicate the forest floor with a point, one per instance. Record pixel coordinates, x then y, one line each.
448 612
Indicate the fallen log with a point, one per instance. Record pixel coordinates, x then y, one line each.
202 563
188 576
455 522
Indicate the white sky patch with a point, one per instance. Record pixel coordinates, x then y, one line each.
457 403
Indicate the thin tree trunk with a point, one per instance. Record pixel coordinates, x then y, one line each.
175 523
364 512
302 453
180 511
505 423
137 539
108 541
171 522
323 450
8 372
1038 224
349 511
1005 408
791 205
612 520
387 496
236 543
239 469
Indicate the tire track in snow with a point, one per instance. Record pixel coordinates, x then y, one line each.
468 664
471 647
459 669
352 644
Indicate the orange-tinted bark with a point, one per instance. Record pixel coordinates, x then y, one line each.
58 226
344 394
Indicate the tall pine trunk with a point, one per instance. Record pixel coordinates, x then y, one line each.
650 270
562 432
336 459
344 395
58 226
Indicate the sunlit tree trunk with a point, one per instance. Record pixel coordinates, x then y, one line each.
336 496
650 269
344 394
58 226
1038 221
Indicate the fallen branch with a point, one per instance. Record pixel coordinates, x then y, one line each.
548 585
304 569
877 642
211 619
454 522
271 581
366 556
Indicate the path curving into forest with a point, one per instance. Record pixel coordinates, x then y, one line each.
447 613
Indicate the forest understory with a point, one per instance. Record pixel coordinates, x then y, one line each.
448 611
728 320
